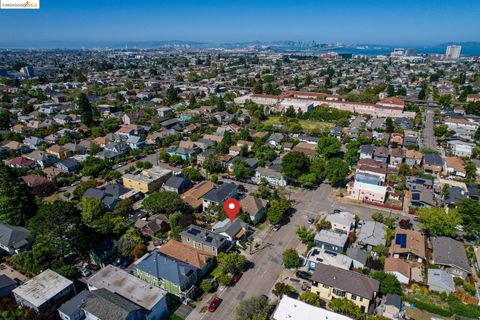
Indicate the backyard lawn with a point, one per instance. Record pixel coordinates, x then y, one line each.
307 125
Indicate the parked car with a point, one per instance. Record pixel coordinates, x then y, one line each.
236 277
276 227
310 220
214 303
85 272
303 275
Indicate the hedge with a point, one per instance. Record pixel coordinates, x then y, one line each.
428 307
465 310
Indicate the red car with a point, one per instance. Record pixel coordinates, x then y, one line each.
236 277
214 304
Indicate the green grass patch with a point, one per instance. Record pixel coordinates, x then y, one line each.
175 317
307 125
216 272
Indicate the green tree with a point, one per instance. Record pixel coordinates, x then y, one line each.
390 90
346 307
192 174
212 165
445 100
125 246
440 130
378 216
124 207
163 202
171 96
308 180
226 143
175 229
439 223
92 209
389 125
290 258
388 282
241 170
310 298
305 236
328 146
469 211
281 289
294 164
470 169
254 308
83 187
85 109
93 166
231 262
16 201
4 120
277 211
336 170
206 285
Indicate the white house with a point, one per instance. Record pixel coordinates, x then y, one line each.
293 309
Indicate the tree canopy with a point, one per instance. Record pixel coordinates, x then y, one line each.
328 146
439 223
16 201
254 308
294 164
163 202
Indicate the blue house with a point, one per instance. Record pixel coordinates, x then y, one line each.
175 267
68 165
184 153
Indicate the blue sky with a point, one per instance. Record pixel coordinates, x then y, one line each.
355 21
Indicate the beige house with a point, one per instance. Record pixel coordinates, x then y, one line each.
148 180
366 192
331 282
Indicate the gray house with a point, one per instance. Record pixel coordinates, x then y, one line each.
451 256
44 292
331 241
440 281
6 285
219 194
14 239
73 308
204 240
372 234
177 184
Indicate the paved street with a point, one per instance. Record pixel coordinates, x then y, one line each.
428 137
268 262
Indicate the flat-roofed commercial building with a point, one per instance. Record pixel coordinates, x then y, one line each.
148 180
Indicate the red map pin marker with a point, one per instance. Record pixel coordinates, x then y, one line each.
231 207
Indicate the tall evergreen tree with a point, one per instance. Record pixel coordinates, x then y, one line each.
85 108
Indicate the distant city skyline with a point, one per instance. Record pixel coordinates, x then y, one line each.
407 23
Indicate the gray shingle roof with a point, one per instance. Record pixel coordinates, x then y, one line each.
372 233
76 303
13 236
433 159
447 251
221 193
353 282
107 305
